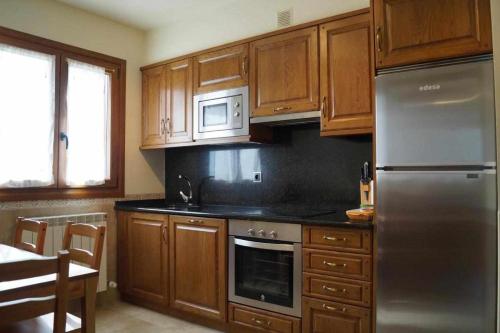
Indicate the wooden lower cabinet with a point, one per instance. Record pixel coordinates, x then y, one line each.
145 269
247 319
198 266
328 317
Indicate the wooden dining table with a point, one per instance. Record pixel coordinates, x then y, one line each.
82 285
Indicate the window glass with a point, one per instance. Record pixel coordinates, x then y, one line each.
27 104
88 125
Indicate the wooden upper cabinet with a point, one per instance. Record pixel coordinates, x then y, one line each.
414 31
284 73
153 106
346 76
221 69
179 102
147 257
198 266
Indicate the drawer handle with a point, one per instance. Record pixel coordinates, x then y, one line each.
282 108
334 239
332 264
195 221
331 308
334 290
261 322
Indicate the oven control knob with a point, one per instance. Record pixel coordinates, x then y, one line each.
262 233
236 105
273 234
236 114
251 232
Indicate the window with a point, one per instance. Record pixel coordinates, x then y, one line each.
61 120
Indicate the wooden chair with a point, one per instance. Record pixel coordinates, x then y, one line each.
92 259
39 227
35 314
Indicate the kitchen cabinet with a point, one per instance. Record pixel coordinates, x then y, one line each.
198 266
244 318
327 317
143 262
284 73
153 106
337 280
221 69
167 107
415 31
179 102
346 76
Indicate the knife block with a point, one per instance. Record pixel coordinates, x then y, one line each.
366 194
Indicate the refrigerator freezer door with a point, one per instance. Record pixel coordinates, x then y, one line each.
436 259
436 116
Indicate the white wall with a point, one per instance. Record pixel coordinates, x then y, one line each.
53 20
242 19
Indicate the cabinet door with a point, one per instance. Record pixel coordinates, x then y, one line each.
153 106
147 257
328 317
179 81
221 69
346 76
198 266
413 31
284 73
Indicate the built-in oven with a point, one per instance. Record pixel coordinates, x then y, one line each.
265 265
221 114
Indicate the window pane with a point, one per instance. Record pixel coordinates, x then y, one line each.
88 124
27 99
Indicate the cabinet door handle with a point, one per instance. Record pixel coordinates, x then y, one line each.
169 126
334 290
332 264
334 239
323 107
194 221
244 65
164 234
261 322
162 126
331 308
378 36
282 108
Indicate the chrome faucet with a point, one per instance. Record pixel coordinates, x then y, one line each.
186 198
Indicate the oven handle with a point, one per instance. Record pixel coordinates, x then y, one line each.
264 246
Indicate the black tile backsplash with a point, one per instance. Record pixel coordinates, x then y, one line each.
300 167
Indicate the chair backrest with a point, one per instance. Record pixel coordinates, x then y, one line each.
38 227
93 259
31 307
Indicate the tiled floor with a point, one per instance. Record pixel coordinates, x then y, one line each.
126 318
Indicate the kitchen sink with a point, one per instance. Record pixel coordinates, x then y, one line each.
181 206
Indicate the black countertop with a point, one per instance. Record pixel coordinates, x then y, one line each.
334 216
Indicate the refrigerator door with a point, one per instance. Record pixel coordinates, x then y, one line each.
436 259
436 116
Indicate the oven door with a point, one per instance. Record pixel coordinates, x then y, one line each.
221 114
266 275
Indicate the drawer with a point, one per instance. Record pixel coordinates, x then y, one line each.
258 320
329 317
337 289
353 266
338 239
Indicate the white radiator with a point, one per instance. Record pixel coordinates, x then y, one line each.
55 235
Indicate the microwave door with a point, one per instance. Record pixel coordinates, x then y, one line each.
214 115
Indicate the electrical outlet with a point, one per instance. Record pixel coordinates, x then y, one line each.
257 177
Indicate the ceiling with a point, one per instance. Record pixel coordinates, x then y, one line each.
148 14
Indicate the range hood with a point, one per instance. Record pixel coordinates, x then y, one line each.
288 119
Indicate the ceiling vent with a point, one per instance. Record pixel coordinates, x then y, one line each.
284 18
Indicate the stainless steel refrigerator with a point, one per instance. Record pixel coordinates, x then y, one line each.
436 198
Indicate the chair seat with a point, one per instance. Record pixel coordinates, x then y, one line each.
42 324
